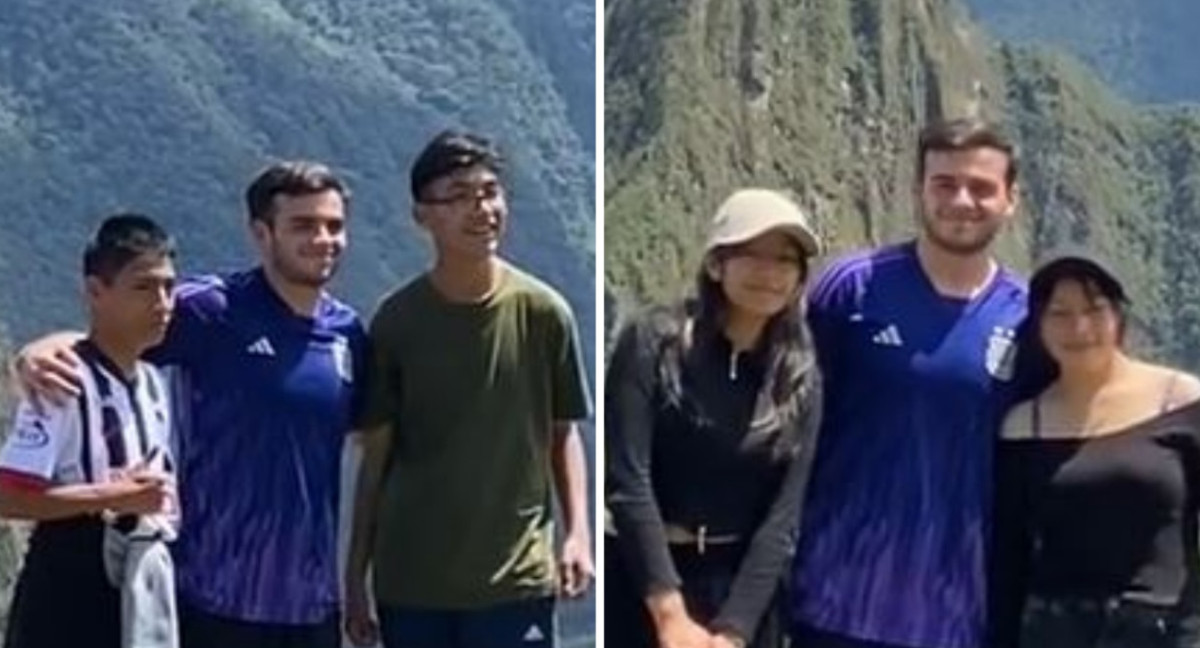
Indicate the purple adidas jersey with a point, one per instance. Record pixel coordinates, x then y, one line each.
264 399
916 385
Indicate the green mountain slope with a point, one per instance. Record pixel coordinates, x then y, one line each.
825 99
170 108
820 97
1141 48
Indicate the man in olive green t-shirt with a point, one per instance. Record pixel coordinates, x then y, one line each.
469 428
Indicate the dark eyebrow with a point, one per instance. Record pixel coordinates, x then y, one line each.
309 218
460 183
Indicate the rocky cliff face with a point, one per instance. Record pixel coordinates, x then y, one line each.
826 99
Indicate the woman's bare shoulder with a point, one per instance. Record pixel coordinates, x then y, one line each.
1179 387
1018 423
1186 390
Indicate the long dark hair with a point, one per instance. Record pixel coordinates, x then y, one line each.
790 374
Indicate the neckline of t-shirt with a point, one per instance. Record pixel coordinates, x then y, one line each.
307 322
88 347
474 306
954 301
1123 431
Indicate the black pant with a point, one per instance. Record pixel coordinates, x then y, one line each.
528 623
199 629
63 597
706 579
1098 623
804 636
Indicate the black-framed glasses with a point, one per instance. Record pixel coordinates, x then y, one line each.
464 195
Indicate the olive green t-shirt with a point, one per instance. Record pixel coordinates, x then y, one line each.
471 392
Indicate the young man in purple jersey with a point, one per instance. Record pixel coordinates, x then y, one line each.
916 342
268 374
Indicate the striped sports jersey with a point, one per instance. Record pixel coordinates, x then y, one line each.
116 423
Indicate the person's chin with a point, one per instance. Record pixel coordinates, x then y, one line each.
479 251
488 245
320 280
772 310
962 243
317 275
1085 360
762 306
154 336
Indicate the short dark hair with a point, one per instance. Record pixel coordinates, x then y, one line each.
289 178
122 238
1097 281
964 134
450 151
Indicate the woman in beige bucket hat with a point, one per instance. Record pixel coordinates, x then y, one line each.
711 418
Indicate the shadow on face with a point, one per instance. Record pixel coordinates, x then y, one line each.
304 237
761 277
136 303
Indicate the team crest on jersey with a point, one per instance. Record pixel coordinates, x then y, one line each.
1001 353
342 359
30 431
72 472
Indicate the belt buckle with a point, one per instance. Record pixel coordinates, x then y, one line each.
701 539
1140 612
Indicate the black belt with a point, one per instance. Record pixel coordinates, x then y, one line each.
699 537
1114 608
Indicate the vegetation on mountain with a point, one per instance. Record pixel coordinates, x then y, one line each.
825 99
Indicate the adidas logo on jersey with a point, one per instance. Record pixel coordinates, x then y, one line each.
533 634
261 346
889 336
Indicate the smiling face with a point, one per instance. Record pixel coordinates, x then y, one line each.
1081 328
760 277
304 238
965 198
465 212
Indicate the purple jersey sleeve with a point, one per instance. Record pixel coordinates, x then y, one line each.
828 305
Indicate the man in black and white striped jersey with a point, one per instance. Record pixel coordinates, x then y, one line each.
101 463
